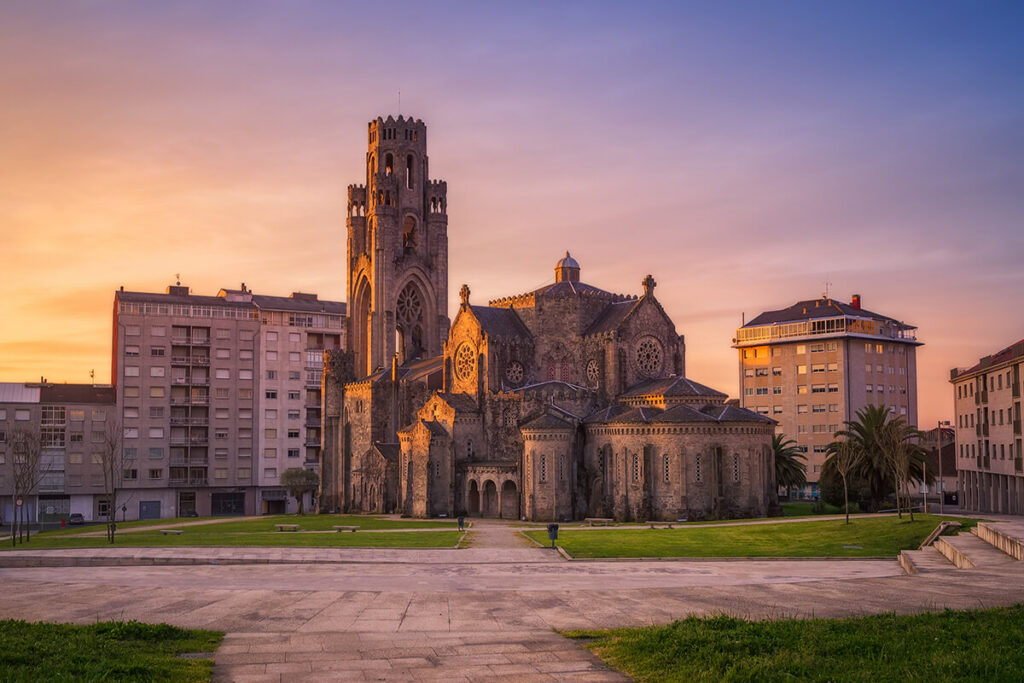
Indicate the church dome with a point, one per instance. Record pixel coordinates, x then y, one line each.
567 269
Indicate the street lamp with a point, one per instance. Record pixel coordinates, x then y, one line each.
938 451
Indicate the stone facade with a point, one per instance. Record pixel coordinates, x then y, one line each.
561 403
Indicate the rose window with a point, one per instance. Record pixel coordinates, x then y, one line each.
648 356
409 307
465 361
593 372
514 372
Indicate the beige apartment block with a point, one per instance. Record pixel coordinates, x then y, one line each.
813 365
192 386
72 420
990 464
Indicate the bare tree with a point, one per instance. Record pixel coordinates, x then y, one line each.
842 458
28 467
112 461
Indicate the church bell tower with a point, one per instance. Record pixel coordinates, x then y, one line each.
397 251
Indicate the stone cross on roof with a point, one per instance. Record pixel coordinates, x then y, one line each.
649 285
464 293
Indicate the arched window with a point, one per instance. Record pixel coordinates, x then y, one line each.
389 164
409 314
622 370
565 369
409 181
409 234
469 448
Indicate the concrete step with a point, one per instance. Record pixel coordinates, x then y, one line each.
1006 536
923 561
967 551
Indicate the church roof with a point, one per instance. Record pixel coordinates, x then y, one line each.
421 367
611 317
500 322
461 402
435 427
567 261
389 450
671 386
546 421
618 414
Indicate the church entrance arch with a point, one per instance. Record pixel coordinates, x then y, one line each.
361 322
474 498
490 503
509 500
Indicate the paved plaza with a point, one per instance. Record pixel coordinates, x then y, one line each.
484 612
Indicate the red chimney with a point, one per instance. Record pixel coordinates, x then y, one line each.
855 302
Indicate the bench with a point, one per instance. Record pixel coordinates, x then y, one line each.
346 528
599 521
660 525
171 532
287 527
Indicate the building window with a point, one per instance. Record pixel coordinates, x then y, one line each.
800 409
222 373
762 391
801 369
666 469
156 432
157 392
130 475
271 355
777 390
777 371
698 471
293 433
157 351
293 452
735 467
157 371
636 467
270 433
131 351
131 371
269 452
543 468
270 393
801 348
271 374
294 396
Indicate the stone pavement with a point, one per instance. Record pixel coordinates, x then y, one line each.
412 615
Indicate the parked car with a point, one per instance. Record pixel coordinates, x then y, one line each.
76 518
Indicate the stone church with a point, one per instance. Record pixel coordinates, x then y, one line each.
560 403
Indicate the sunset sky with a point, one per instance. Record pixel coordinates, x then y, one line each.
742 153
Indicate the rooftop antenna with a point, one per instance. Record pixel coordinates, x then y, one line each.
399 102
828 286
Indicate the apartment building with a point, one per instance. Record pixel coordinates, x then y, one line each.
72 421
990 463
813 365
214 395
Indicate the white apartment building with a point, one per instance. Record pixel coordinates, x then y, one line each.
813 365
990 462
214 395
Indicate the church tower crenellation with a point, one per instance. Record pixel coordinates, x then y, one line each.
397 250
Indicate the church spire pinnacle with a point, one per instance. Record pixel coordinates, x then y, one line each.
649 285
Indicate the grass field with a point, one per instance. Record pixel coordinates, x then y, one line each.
863 537
806 509
234 525
196 537
105 651
982 645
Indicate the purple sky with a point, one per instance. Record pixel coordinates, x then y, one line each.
742 153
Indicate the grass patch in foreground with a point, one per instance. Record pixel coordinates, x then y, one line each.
107 651
198 536
981 645
863 537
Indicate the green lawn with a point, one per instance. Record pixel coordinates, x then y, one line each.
866 536
204 536
806 509
982 645
105 651
233 525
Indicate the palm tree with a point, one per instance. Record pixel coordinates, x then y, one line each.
863 437
901 444
790 471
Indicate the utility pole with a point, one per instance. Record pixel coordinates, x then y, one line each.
938 450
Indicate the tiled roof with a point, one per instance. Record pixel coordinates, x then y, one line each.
546 421
436 428
421 368
1011 352
611 317
461 402
500 322
671 386
388 450
77 393
811 309
618 414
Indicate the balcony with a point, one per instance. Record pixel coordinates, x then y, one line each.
200 381
1016 427
312 444
200 360
200 341
185 461
187 481
180 360
186 421
1018 464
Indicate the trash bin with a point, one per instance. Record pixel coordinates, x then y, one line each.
553 533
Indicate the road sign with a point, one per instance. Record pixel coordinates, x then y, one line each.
18 502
